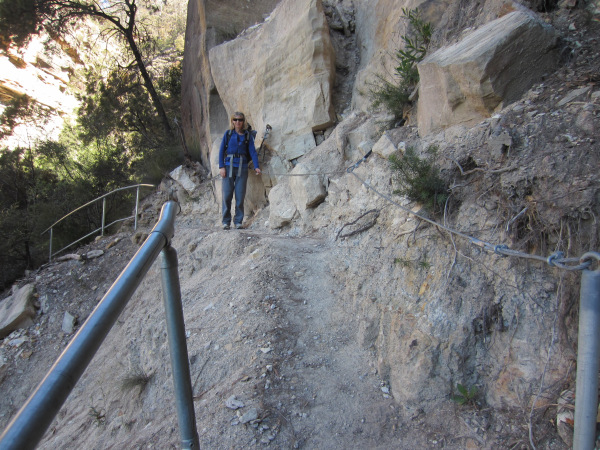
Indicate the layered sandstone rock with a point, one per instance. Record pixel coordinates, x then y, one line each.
18 310
280 73
210 23
490 68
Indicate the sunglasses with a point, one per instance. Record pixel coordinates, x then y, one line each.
237 120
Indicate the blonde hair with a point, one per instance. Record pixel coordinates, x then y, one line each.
238 115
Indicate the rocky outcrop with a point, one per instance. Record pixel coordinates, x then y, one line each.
431 309
280 73
490 68
210 23
18 310
379 25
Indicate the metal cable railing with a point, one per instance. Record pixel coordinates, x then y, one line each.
29 425
103 226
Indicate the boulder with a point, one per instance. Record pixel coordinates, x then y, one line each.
307 191
93 254
181 176
18 310
282 208
68 323
280 72
495 65
384 147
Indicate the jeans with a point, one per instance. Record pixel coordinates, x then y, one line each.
230 185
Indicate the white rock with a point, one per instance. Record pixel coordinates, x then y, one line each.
183 178
249 416
233 403
68 323
282 208
294 55
490 68
94 254
18 310
384 147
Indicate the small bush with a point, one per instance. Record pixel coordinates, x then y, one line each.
465 395
137 379
402 262
395 95
419 180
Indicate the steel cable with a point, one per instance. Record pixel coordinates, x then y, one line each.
556 259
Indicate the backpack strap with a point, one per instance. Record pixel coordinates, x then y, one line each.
227 140
247 141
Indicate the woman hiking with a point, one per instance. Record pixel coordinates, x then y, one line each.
237 147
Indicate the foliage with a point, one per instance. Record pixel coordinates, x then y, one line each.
415 47
41 184
17 31
424 264
395 95
98 416
121 18
465 395
115 112
21 110
402 262
117 139
136 379
170 82
419 179
21 200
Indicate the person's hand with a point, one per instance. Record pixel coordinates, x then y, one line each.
222 172
257 171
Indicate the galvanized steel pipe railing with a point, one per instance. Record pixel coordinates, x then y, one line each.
103 225
29 425
588 358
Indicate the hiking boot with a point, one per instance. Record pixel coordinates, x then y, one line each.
226 227
238 226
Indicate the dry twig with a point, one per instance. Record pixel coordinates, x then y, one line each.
361 229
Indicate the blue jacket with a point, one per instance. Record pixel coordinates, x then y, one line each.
237 146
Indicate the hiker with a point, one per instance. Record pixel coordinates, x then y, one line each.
236 149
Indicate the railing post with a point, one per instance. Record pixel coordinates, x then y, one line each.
50 257
588 358
178 350
137 200
27 428
103 215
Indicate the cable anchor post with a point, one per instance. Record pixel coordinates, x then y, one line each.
588 356
359 162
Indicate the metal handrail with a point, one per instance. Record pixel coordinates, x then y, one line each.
29 425
103 227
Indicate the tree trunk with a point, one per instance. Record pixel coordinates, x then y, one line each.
150 86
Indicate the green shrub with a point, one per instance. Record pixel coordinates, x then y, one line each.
465 395
395 95
419 180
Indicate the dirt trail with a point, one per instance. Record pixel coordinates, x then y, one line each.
270 333
327 387
313 386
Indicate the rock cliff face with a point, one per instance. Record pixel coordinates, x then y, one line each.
517 154
29 75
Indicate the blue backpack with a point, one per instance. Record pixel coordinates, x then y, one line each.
247 134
